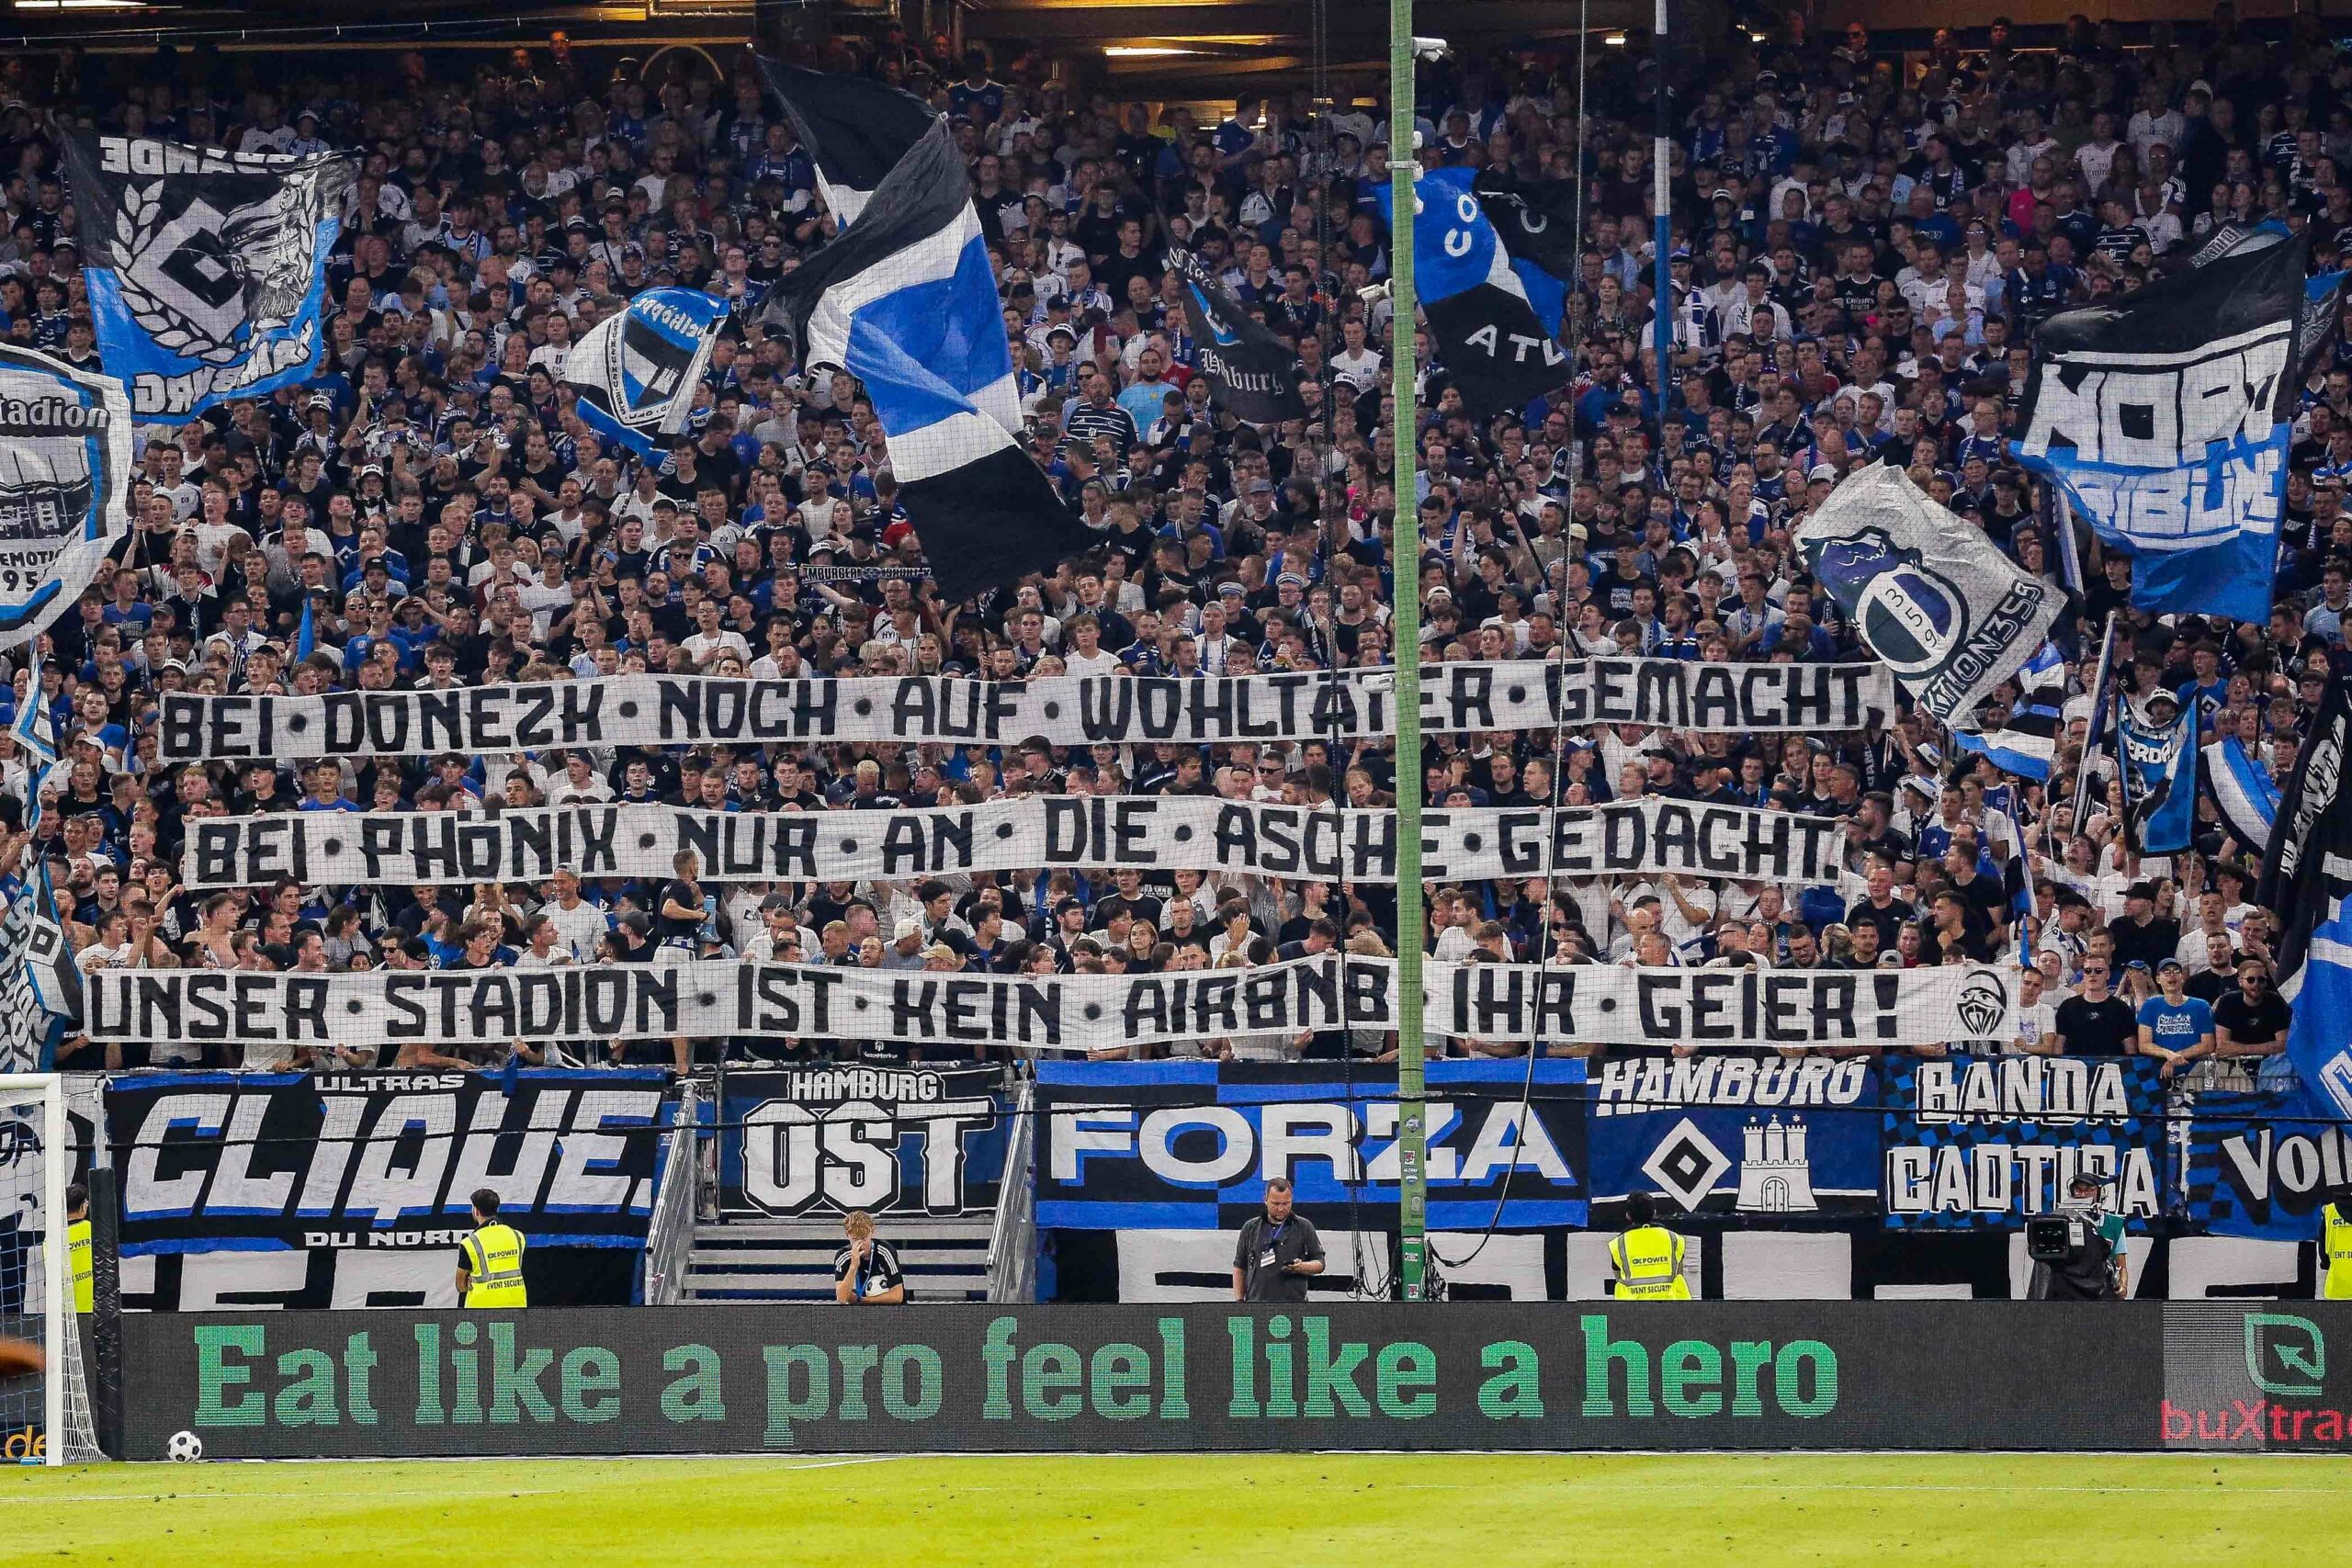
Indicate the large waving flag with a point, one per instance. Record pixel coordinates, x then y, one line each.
2167 415
905 301
2243 794
2025 745
1495 334
1949 615
636 370
206 268
2305 877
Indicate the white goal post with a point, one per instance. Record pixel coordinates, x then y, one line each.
36 1270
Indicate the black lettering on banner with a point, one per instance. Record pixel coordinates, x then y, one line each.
644 710
1596 1004
1158 832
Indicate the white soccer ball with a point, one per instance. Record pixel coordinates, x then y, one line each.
186 1447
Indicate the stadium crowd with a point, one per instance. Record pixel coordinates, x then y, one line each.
1864 242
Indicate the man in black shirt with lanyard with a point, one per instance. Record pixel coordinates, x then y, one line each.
1276 1252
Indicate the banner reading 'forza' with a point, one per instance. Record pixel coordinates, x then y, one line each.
1596 1003
1149 832
682 710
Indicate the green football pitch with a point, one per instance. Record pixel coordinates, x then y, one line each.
2005 1511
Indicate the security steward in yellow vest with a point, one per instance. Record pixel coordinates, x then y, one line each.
2335 1250
1647 1257
77 1244
490 1261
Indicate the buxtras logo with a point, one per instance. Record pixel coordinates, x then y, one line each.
2286 1360
1912 617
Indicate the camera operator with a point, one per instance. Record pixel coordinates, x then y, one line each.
2078 1254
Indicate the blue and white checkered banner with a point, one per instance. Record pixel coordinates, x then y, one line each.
206 268
2168 419
636 370
1190 1146
1768 1140
1974 1142
2254 1169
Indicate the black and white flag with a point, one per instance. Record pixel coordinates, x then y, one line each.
2306 876
905 300
1253 374
1931 594
206 268
65 461
1536 220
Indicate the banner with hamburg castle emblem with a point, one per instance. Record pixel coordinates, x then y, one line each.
206 268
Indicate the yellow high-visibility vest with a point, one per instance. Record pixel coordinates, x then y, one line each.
2336 1254
78 1253
494 1267
1648 1259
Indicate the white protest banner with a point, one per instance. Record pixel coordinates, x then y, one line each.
1150 833
682 710
1592 1003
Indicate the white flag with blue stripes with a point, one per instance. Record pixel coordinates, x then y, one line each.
2025 744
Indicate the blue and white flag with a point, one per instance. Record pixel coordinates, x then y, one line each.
2025 745
35 728
905 300
66 451
637 369
2167 415
2158 761
2244 795
49 964
1949 615
1496 337
206 268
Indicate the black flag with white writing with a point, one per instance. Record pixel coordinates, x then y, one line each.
1252 374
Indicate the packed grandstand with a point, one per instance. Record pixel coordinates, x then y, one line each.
1863 241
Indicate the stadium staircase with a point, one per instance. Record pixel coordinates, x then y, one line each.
946 1260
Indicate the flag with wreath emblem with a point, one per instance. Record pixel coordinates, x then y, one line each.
206 268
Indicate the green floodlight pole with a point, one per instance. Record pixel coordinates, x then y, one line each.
1405 568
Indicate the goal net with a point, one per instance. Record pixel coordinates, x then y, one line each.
45 1415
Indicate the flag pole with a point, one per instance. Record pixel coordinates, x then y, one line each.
1661 228
1405 571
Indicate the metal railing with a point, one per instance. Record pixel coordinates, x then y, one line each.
670 1235
1012 1245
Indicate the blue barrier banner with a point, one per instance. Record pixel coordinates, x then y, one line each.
1190 1146
922 1139
1977 1142
2247 1175
1776 1142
